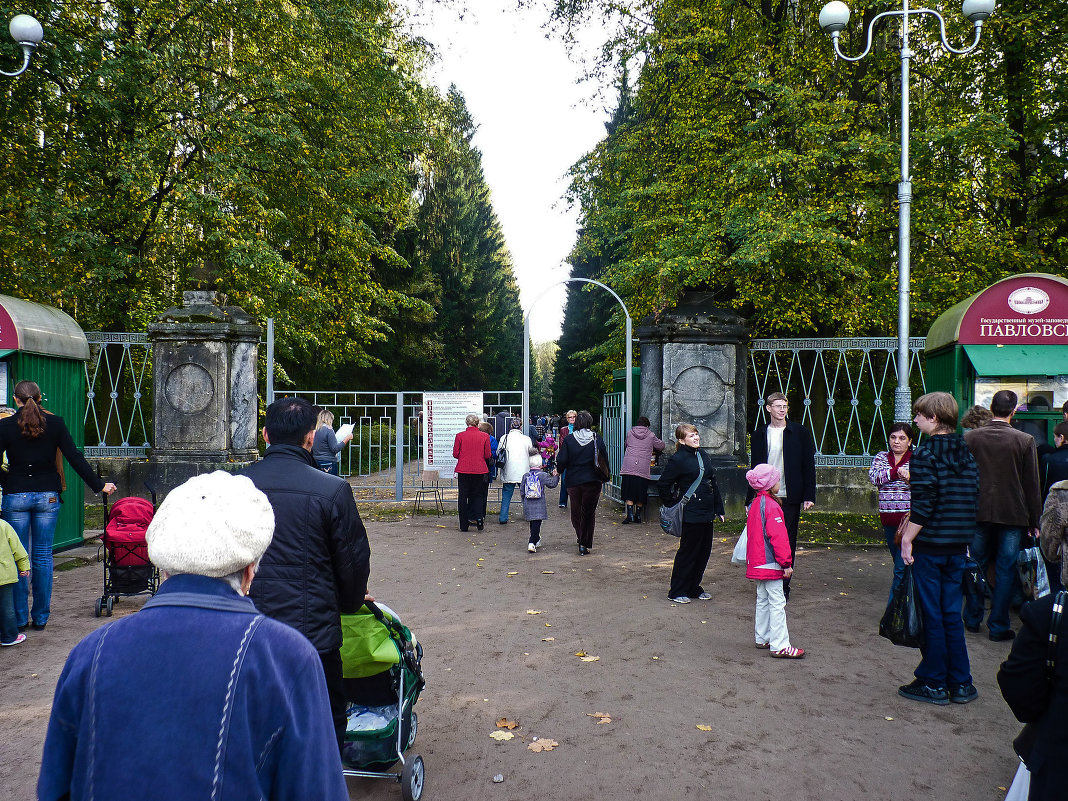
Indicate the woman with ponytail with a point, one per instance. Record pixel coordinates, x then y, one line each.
32 485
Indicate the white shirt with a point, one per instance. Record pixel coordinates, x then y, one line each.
775 456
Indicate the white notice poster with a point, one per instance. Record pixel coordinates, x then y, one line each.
443 416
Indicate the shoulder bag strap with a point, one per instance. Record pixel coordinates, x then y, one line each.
700 475
764 519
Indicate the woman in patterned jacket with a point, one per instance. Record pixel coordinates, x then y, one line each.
890 473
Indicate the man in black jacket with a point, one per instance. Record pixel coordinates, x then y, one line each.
789 447
317 565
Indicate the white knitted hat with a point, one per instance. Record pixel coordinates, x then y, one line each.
212 525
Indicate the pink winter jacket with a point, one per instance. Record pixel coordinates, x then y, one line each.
776 550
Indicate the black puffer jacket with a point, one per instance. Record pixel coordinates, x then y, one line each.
317 565
681 471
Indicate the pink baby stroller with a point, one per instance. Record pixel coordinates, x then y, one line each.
127 569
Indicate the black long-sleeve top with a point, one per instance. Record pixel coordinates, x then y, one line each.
32 462
679 473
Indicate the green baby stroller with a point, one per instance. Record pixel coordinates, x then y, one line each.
381 662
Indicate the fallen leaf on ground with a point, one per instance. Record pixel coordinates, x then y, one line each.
544 744
602 717
704 727
501 735
441 526
533 611
504 723
591 659
548 625
548 639
513 573
580 653
547 572
887 718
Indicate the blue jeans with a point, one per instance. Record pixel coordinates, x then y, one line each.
33 515
945 654
9 629
506 500
889 532
1003 543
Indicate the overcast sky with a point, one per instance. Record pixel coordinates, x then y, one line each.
534 122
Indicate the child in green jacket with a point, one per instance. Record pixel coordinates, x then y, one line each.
14 562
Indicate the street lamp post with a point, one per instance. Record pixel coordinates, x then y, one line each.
833 18
28 33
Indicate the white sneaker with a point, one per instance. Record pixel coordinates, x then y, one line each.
704 596
682 599
532 548
20 639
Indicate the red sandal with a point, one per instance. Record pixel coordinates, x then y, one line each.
789 653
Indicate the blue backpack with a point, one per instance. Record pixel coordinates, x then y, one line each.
532 487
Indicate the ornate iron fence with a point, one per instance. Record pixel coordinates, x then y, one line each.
387 424
118 380
845 387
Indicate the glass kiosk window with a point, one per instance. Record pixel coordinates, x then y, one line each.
1039 395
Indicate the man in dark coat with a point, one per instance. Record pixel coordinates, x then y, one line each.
1010 506
317 565
789 447
1055 465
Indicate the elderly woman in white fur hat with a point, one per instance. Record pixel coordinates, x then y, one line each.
197 675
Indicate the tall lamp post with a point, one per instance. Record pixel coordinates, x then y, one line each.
833 18
28 33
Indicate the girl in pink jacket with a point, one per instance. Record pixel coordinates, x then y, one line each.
768 562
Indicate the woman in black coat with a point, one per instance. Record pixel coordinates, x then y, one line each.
578 453
30 439
695 545
1037 698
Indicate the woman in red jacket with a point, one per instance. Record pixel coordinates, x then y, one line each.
769 562
472 452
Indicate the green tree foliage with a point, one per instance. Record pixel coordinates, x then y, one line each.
459 251
750 163
268 149
541 395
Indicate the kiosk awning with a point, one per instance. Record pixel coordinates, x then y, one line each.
1018 359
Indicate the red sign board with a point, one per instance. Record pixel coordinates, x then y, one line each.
1025 309
9 335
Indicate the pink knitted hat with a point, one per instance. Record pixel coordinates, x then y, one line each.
763 477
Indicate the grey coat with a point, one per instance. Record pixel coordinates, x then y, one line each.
535 508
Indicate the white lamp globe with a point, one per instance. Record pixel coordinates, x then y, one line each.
977 10
835 15
25 29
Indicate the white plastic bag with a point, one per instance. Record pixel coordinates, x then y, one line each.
1021 784
738 557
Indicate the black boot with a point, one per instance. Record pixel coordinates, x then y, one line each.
637 514
630 515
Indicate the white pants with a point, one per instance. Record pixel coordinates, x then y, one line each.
771 615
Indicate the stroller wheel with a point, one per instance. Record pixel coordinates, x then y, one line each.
99 608
412 778
111 604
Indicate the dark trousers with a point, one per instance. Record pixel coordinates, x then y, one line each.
695 546
563 488
791 516
583 499
535 531
335 688
469 498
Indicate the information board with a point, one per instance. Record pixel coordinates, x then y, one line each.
444 416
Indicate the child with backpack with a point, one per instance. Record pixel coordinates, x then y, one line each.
533 490
769 562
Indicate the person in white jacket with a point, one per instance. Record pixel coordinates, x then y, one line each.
517 448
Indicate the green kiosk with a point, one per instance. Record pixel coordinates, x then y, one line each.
1012 335
41 343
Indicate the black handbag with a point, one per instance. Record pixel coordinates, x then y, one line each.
974 582
1027 738
600 463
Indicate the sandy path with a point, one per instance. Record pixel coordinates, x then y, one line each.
813 729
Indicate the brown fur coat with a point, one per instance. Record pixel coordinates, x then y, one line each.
1054 527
